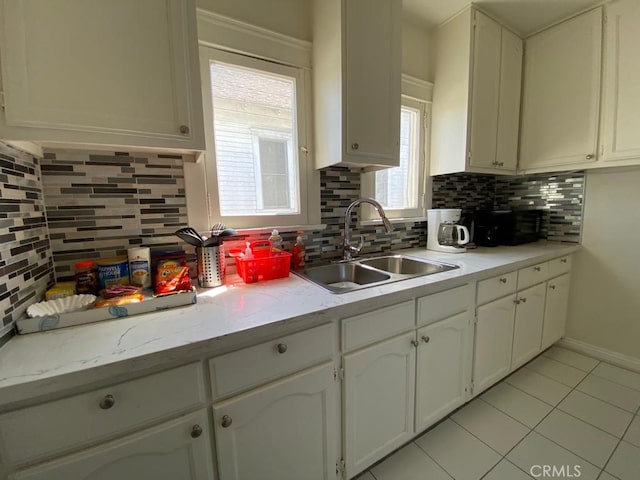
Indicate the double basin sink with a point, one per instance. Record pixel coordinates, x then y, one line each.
369 272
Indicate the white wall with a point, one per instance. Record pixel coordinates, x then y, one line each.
604 307
289 17
417 52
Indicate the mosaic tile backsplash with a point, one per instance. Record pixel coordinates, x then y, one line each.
559 195
26 267
99 204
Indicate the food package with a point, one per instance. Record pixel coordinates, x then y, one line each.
60 290
120 300
172 279
119 290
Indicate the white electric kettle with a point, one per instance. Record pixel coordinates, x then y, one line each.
443 232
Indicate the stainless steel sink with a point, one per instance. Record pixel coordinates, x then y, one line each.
369 272
403 265
344 277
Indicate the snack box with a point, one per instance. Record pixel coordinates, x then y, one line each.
149 304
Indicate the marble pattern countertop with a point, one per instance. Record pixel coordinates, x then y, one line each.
224 318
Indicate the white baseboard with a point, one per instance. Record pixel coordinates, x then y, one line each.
609 356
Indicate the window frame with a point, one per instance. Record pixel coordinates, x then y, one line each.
368 187
307 176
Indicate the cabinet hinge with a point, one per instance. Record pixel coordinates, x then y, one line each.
602 150
2 100
472 387
340 468
475 319
338 374
469 155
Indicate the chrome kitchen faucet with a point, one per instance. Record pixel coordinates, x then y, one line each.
350 250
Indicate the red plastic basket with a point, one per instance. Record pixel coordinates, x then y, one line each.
266 264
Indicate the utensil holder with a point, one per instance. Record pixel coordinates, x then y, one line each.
211 266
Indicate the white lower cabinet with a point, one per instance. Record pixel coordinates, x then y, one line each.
555 311
494 334
286 430
179 449
378 399
443 372
527 330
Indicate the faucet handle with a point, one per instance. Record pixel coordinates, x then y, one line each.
353 249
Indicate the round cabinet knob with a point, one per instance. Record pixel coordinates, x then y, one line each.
196 431
355 146
107 402
503 280
552 287
537 269
501 164
226 421
589 157
414 343
516 301
563 260
184 129
523 300
282 347
425 338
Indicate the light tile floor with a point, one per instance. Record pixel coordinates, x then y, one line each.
562 410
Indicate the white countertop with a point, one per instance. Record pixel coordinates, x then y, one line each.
225 317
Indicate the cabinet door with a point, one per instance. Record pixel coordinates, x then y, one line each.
372 78
443 372
179 449
286 430
493 341
621 95
509 106
485 91
378 397
561 93
117 72
527 330
555 310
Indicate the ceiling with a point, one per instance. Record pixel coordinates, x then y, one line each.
523 16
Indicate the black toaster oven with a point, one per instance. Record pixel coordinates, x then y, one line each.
507 227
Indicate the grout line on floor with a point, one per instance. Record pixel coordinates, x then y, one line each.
557 381
614 381
436 462
595 426
620 440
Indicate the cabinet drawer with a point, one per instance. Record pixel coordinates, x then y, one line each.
496 287
532 275
444 304
374 326
53 427
558 266
251 366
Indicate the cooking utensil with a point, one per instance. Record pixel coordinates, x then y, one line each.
190 235
217 228
211 242
227 232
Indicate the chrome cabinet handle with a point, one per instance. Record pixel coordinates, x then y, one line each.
196 431
563 260
282 347
537 269
425 338
523 300
589 156
516 301
503 280
355 146
414 343
107 402
552 287
226 421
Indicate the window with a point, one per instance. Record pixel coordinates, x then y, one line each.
257 166
401 190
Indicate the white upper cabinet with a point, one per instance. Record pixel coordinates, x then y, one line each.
356 75
621 90
476 97
94 72
561 96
